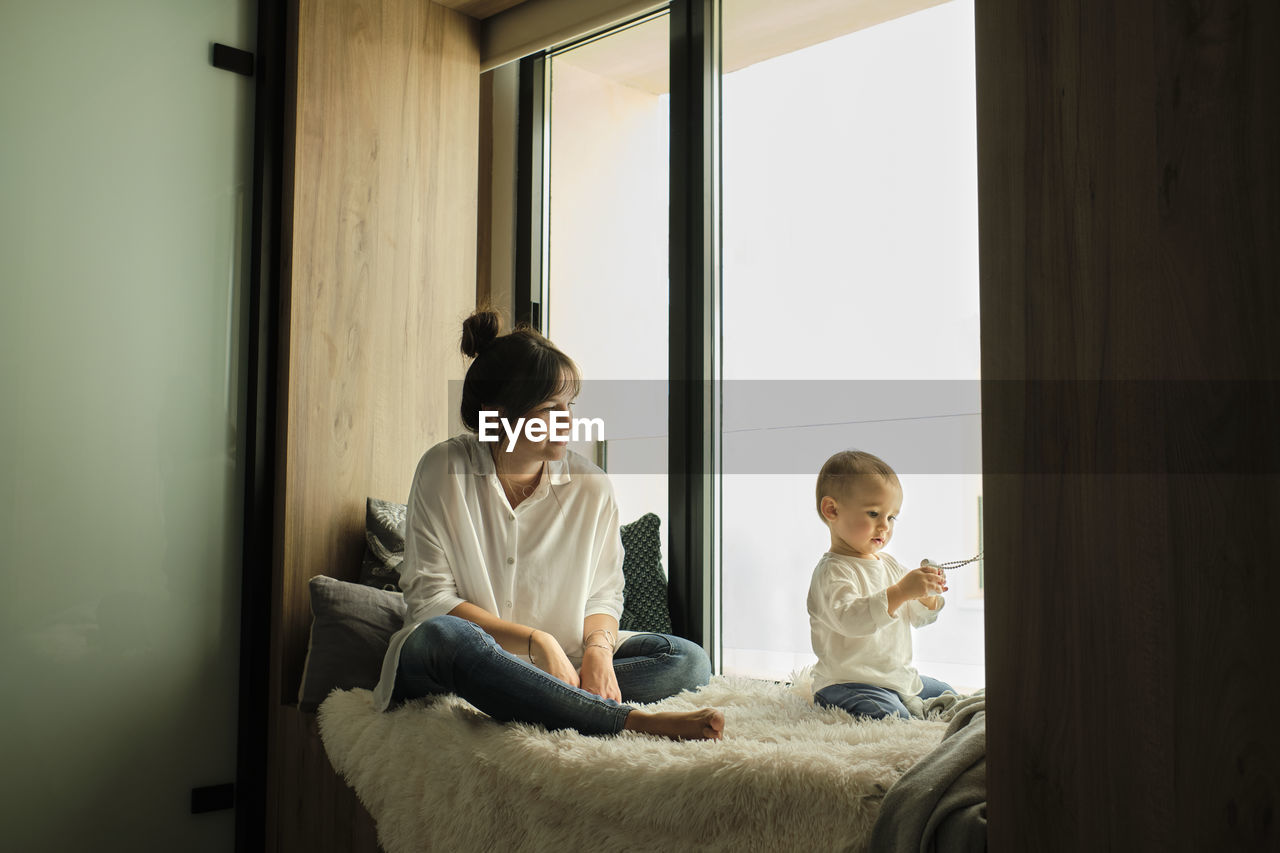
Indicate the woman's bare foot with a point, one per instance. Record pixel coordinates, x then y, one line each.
703 724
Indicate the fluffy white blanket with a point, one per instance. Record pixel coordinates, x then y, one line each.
438 775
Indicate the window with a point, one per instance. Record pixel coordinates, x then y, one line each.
850 313
843 298
606 246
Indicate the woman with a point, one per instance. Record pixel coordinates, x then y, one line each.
513 567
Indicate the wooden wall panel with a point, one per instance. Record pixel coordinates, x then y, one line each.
380 273
383 271
1129 215
315 811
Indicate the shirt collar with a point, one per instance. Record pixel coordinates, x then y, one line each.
482 463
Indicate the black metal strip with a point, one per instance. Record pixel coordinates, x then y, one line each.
212 798
530 118
610 30
232 59
250 792
693 298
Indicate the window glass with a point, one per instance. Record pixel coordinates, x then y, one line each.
606 300
850 300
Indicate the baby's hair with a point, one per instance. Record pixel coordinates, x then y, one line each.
839 472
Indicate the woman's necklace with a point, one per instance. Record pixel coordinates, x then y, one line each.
514 490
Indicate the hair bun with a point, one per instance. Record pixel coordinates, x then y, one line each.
478 331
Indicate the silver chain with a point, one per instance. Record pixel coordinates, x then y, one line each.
954 564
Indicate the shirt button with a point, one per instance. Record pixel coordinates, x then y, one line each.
510 560
508 605
512 518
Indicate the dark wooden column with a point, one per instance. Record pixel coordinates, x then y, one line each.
1130 250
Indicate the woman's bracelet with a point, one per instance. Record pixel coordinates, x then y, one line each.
598 646
608 636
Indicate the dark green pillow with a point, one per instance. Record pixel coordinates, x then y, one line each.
644 599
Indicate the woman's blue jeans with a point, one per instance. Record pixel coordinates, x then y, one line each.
452 655
866 700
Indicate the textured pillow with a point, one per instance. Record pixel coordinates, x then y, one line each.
384 544
644 598
351 626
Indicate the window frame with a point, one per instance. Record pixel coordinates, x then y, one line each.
693 287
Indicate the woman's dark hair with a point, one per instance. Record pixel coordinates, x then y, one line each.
513 372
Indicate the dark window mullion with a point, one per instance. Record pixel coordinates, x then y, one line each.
693 288
531 117
267 248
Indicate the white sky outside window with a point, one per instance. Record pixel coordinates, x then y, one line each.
607 256
851 253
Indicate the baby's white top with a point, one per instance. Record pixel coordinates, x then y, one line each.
853 635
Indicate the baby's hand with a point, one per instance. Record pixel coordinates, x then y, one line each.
923 582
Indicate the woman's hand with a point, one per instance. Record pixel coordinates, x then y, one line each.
551 659
597 673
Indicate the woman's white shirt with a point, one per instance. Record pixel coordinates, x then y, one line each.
549 563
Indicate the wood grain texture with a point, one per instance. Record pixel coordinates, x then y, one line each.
379 275
1129 199
317 813
383 272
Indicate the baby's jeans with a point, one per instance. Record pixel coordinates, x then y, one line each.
866 700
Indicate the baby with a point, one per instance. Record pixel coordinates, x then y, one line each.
862 602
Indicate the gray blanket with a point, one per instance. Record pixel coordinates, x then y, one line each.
940 804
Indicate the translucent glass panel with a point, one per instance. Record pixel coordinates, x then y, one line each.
607 247
124 162
850 309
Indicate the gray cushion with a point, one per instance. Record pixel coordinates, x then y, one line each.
351 626
384 544
645 596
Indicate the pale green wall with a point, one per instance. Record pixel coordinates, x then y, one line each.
124 175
